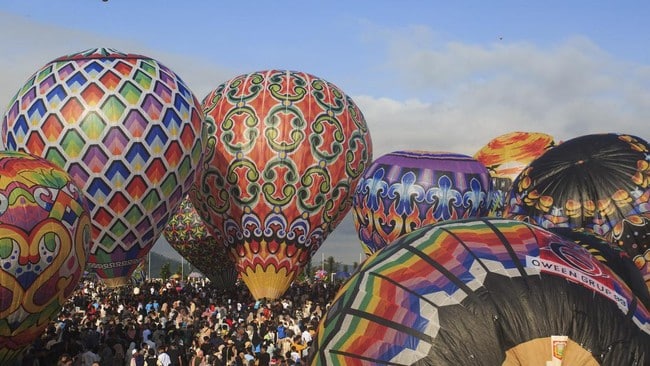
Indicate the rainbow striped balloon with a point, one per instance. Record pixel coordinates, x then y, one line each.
483 292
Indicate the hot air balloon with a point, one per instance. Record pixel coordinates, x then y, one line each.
597 182
187 233
45 236
129 132
633 234
505 156
613 257
286 151
484 291
405 190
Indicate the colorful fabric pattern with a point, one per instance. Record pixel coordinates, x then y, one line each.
405 190
187 233
284 154
464 292
45 236
600 183
128 130
505 157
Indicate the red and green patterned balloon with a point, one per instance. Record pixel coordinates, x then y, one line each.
285 153
45 236
129 132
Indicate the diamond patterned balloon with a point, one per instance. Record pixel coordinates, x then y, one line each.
129 132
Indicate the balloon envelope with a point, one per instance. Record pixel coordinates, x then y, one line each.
483 292
128 130
286 151
45 236
187 233
405 190
613 257
505 156
593 182
633 235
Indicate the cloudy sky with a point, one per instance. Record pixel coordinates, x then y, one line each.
429 75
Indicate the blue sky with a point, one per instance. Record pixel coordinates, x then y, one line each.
430 75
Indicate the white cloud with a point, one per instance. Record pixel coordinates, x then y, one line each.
428 93
467 94
31 45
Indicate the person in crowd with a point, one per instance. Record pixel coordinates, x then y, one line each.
117 327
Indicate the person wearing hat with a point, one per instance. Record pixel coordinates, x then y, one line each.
137 359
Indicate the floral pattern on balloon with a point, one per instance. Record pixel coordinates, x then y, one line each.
405 190
284 155
45 236
129 132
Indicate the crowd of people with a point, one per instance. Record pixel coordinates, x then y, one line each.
197 324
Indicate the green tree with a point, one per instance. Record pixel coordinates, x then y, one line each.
165 271
354 266
330 266
345 268
307 272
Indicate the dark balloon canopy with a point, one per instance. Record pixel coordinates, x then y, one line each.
484 292
613 257
600 183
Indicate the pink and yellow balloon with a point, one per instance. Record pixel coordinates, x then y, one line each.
45 235
129 132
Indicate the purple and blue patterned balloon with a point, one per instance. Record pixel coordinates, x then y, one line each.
405 190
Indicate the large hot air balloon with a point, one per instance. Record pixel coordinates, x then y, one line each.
405 190
128 130
505 156
285 154
45 236
613 257
598 182
187 233
483 292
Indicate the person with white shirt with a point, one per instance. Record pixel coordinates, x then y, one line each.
163 357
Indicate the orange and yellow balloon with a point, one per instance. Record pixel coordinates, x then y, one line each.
506 156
